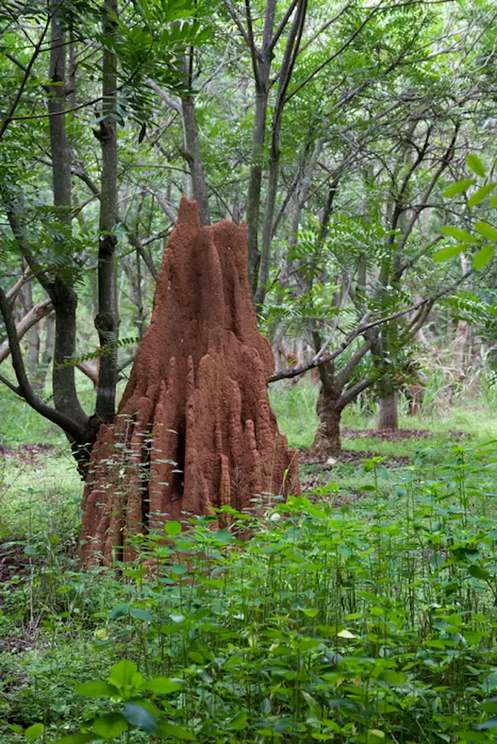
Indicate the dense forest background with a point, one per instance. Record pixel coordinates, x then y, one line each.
336 133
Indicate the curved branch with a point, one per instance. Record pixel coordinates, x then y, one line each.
28 321
24 390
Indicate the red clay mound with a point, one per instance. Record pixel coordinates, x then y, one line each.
194 429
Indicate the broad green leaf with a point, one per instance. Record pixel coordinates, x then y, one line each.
34 731
472 737
481 194
486 230
449 252
110 725
459 187
478 572
164 730
179 569
96 689
458 234
492 723
122 673
172 528
394 678
162 685
483 256
493 202
489 706
437 560
140 614
140 717
490 681
222 536
76 739
239 722
474 163
118 611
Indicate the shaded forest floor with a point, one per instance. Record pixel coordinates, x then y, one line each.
59 625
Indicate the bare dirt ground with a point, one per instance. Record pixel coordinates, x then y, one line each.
26 453
385 434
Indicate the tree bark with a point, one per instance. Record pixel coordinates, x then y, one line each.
289 57
194 158
389 412
261 61
63 296
32 334
255 175
106 321
48 349
327 439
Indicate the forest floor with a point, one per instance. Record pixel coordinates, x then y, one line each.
56 622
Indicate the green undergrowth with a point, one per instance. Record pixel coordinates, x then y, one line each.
371 622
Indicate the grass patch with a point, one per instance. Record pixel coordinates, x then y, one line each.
373 622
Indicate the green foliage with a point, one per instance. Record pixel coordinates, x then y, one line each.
328 624
484 237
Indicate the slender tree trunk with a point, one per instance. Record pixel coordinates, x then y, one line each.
140 319
289 57
48 348
63 296
106 321
255 175
267 231
461 344
195 159
32 335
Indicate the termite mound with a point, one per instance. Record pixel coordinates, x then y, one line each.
194 429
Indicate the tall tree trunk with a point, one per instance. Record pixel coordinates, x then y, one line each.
255 174
63 296
194 157
289 58
106 321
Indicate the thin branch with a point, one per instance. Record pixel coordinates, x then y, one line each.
361 328
32 317
352 393
12 293
27 73
237 21
165 97
24 389
282 25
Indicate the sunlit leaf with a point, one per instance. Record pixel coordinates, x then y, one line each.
474 163
486 230
458 234
459 187
481 194
449 252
